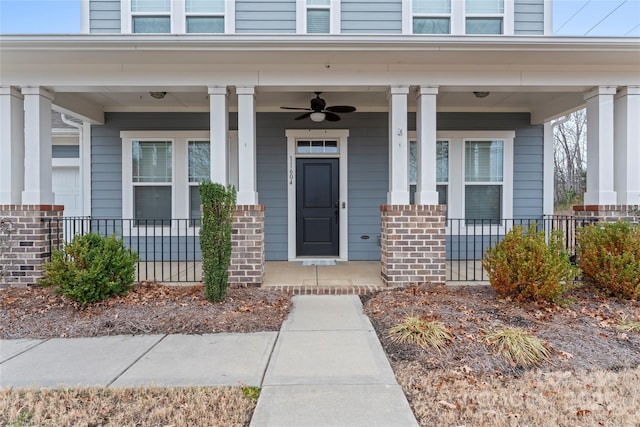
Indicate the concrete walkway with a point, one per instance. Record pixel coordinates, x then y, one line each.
325 367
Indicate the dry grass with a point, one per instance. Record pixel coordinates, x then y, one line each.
597 398
629 326
215 406
517 345
423 333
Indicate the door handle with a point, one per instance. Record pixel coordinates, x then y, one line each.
337 210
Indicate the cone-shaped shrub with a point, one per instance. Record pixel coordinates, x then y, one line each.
218 208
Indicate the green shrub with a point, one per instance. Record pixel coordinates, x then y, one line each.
91 268
525 267
218 208
609 254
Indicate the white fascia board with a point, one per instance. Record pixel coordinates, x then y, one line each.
309 41
79 107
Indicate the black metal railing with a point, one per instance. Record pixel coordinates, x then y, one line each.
467 240
169 249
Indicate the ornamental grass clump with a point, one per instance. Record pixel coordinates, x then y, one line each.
421 332
218 209
609 255
91 268
526 267
629 325
517 345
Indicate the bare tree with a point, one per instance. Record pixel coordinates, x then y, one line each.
570 159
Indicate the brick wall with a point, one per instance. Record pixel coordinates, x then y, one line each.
247 246
609 213
30 237
413 244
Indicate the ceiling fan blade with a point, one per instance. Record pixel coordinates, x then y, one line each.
341 109
331 117
297 108
302 116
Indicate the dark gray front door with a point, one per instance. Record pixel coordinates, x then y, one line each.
317 207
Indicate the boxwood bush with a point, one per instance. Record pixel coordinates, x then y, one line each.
609 255
524 266
91 268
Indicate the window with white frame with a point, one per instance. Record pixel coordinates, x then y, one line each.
204 16
318 16
431 16
150 16
161 172
473 17
178 16
474 174
442 170
484 17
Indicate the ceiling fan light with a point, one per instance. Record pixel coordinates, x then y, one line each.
317 116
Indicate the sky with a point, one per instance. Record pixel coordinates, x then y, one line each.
570 17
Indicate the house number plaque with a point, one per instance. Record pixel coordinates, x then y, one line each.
290 170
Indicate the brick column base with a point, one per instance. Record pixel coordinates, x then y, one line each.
610 213
26 239
413 244
247 246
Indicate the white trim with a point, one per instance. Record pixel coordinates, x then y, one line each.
407 17
85 17
548 18
341 135
125 16
65 162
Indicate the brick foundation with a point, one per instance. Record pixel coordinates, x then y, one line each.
610 213
247 242
30 237
413 244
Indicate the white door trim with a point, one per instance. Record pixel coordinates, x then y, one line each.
340 135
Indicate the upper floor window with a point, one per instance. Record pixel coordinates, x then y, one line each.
178 16
151 16
431 16
318 16
459 17
484 17
205 16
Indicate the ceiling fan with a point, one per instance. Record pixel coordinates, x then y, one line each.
319 111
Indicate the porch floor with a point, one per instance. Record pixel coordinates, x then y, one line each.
284 273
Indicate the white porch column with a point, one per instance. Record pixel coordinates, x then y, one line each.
627 145
600 146
398 147
427 147
247 194
11 146
219 129
547 174
37 143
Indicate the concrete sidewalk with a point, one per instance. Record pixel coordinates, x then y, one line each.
325 367
328 369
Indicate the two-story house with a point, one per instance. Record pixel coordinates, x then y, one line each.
409 124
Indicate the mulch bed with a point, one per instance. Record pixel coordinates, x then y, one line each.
149 308
583 335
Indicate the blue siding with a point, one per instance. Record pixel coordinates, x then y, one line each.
529 17
104 16
372 16
254 16
368 166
